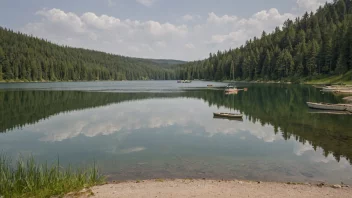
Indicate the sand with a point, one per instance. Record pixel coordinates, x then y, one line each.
213 188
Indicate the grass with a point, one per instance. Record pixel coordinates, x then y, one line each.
159 180
26 178
336 79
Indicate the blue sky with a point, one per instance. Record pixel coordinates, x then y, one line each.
177 29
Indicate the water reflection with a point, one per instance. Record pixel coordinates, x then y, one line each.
149 135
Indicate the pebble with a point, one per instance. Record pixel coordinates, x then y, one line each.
337 186
259 182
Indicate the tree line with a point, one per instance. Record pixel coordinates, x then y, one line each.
315 44
27 58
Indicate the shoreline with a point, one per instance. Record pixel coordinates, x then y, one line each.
212 188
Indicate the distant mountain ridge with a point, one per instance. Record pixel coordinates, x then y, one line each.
27 58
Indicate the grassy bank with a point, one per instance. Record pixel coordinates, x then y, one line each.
26 178
336 79
313 80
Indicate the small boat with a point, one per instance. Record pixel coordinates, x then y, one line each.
228 115
179 81
186 81
331 112
327 106
336 88
231 88
209 85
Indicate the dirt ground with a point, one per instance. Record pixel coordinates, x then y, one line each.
214 188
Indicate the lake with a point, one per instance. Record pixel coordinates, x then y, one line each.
161 129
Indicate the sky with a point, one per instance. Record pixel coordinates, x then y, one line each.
162 29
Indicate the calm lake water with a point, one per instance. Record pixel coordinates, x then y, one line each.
161 129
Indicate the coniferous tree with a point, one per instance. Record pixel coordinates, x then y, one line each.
317 43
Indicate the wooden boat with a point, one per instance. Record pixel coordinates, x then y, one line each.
228 115
327 106
336 88
331 112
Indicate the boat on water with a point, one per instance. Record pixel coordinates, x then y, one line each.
336 88
184 81
327 106
331 112
209 85
228 115
230 88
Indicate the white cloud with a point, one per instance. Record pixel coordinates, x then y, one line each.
242 29
108 33
160 44
147 3
154 39
311 5
189 17
190 46
213 18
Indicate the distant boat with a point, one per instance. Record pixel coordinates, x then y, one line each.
228 115
186 81
231 89
327 106
179 81
209 85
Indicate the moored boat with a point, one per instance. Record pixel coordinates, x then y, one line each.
336 88
228 115
331 112
327 106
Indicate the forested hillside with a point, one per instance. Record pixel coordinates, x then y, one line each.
27 58
314 45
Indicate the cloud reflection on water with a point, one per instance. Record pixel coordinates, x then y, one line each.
146 114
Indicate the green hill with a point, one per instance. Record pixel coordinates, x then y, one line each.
26 58
310 47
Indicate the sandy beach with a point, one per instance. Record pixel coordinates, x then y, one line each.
213 188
